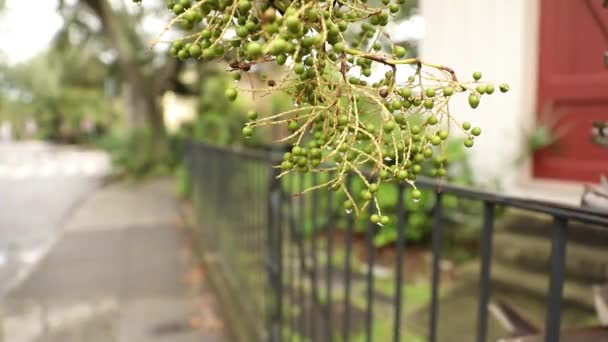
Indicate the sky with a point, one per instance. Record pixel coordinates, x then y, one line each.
26 29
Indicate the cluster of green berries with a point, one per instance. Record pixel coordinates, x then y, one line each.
339 122
481 89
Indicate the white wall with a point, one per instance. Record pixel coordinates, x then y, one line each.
498 38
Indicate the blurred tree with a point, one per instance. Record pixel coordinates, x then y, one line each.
115 33
47 88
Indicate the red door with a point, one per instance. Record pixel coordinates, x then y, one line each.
573 86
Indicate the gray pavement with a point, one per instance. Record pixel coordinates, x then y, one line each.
122 271
39 185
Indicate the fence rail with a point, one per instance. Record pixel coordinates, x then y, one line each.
281 250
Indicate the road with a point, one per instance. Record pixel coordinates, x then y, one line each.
39 185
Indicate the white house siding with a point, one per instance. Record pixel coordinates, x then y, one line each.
500 39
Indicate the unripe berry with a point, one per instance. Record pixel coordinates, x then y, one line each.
195 51
448 91
405 92
373 188
489 89
231 94
254 50
252 115
247 131
474 101
399 51
384 220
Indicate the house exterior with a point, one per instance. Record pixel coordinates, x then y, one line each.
551 52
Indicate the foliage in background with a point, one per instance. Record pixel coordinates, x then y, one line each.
62 91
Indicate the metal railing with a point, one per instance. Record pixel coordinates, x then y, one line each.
268 241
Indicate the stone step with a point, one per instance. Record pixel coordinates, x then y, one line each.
584 263
507 279
527 223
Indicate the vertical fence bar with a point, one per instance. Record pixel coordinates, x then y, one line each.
369 312
292 258
348 244
314 289
329 268
436 246
556 282
301 258
399 264
281 255
484 278
275 255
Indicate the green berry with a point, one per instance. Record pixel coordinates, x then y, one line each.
366 195
348 205
399 51
405 92
252 115
195 51
476 131
466 125
389 126
339 47
435 140
504 87
477 75
254 50
448 91
416 194
373 188
474 101
384 220
430 92
374 218
396 105
247 131
293 126
468 142
231 94
428 152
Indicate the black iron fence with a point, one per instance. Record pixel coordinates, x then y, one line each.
293 274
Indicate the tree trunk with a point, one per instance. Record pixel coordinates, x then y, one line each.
143 92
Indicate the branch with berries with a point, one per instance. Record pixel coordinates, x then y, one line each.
360 102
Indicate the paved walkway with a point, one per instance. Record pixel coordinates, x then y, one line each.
121 271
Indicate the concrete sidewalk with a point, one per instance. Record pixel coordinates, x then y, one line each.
121 271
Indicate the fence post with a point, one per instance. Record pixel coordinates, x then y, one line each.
275 255
556 281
